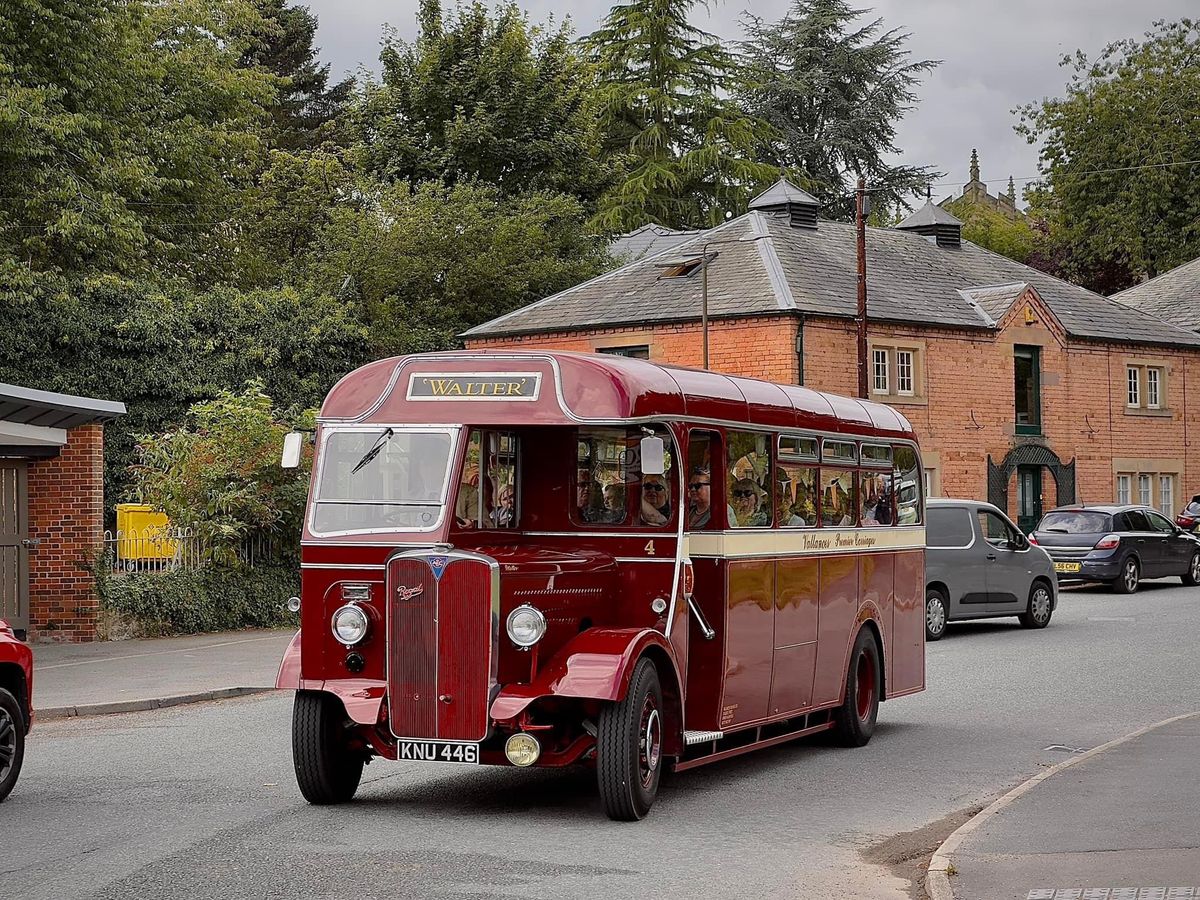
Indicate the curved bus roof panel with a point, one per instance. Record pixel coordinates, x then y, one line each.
556 387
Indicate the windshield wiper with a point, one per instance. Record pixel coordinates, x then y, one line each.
374 451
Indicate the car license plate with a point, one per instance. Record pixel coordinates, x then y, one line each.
438 751
1067 567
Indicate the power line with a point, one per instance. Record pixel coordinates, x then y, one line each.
1025 179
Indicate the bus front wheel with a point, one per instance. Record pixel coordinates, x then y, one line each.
629 747
327 769
854 720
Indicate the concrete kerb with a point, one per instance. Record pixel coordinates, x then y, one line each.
937 877
126 706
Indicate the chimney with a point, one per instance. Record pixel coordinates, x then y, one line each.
784 197
935 225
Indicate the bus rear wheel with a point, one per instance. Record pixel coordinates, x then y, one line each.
854 720
629 747
327 769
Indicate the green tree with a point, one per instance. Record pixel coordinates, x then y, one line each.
307 107
219 475
123 128
832 91
483 96
1119 191
1014 238
686 150
427 262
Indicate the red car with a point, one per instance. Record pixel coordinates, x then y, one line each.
1189 519
16 706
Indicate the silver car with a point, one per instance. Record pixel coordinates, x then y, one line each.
978 565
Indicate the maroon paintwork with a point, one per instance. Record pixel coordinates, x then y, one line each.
439 665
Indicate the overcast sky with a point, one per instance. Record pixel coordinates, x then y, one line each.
995 56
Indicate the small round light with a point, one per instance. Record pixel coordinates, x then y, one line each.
526 626
522 749
350 625
293 604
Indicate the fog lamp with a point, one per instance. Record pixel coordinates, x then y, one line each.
526 626
522 749
350 625
293 604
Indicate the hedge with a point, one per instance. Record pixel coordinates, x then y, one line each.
207 599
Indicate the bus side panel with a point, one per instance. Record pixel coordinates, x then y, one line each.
878 577
908 632
797 580
838 611
750 641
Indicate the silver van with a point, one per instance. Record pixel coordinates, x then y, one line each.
978 565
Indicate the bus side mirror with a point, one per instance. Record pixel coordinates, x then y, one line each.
652 451
293 443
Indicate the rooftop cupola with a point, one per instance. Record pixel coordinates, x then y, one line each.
935 225
784 197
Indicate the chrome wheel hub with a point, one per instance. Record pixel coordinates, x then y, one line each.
1131 575
1041 605
649 744
935 615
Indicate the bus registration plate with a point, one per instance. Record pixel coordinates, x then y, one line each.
437 751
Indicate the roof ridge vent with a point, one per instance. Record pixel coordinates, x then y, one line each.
934 224
800 206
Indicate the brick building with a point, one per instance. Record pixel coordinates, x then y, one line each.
1023 389
51 510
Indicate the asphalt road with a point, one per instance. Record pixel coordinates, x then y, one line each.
200 802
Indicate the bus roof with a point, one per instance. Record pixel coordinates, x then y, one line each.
558 387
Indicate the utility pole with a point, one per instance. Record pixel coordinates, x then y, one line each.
860 220
704 299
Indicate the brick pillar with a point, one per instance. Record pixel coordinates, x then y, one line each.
66 513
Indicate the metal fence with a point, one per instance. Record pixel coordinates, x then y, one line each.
174 549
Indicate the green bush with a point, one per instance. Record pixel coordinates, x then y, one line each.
208 599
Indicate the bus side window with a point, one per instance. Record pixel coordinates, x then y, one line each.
749 478
796 496
837 497
703 452
502 478
906 481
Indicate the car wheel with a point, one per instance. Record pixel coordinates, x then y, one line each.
1192 576
12 742
1037 614
328 770
854 720
629 747
936 614
1127 581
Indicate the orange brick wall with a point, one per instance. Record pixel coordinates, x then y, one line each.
66 509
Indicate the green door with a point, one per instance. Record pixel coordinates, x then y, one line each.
1029 497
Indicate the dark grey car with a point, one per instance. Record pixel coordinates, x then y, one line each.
1119 545
978 565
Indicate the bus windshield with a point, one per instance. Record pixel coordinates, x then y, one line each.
381 479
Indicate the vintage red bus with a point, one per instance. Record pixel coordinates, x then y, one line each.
545 558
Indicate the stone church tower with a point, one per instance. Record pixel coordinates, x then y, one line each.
975 193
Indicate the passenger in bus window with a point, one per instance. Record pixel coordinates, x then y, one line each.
502 515
745 497
785 503
837 506
614 504
656 501
587 491
700 498
876 500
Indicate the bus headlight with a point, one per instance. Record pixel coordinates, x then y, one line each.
350 625
526 626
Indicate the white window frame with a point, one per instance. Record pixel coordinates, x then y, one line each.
880 355
1133 387
1166 495
902 375
1145 489
1153 388
1124 489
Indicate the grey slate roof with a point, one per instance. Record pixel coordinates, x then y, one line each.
646 241
994 300
929 214
763 265
782 192
1173 296
27 406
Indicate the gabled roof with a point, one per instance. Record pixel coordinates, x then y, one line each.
26 406
994 300
929 214
1173 296
781 193
763 265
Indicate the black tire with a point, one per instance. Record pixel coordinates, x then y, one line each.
12 742
327 769
629 742
937 614
1131 573
854 720
1192 576
1039 610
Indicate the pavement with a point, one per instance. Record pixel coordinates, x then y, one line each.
1114 822
1118 822
127 676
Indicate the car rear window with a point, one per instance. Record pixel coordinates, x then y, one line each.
1076 522
948 527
